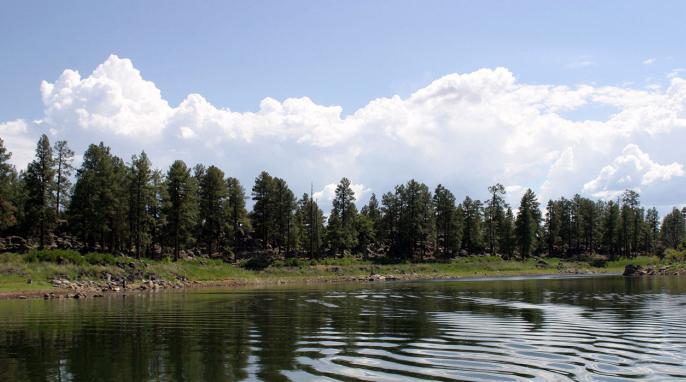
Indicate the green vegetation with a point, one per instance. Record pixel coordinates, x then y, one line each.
41 266
117 210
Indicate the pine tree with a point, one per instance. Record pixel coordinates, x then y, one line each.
372 211
285 205
448 227
119 237
471 211
390 217
630 221
552 227
156 210
180 206
416 220
611 227
341 229
527 224
673 230
141 199
311 219
40 184
98 211
8 176
494 212
263 211
212 194
652 229
507 234
236 213
64 158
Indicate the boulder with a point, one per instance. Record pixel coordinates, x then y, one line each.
377 277
632 270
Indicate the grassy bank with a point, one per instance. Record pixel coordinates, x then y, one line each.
43 266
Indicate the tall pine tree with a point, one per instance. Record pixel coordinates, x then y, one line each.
40 185
180 207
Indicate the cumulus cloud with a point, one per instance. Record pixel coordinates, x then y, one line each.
327 193
114 98
631 170
649 61
466 131
19 141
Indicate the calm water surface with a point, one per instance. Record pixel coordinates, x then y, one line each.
586 329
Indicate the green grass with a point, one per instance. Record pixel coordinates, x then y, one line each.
639 260
62 256
197 270
42 266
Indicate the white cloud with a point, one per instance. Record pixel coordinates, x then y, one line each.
649 61
466 131
18 141
675 72
632 169
114 98
328 193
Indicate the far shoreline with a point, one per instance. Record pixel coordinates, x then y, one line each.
301 282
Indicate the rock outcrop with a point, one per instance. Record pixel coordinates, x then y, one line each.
651 270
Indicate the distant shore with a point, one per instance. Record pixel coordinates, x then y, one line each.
20 278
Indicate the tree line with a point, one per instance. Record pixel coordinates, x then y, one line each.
131 208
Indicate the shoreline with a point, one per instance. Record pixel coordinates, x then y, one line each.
144 286
23 277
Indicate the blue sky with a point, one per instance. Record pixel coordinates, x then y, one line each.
346 54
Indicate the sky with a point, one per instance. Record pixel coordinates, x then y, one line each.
561 97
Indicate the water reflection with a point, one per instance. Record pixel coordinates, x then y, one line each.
541 329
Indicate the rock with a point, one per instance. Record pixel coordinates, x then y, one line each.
377 277
98 295
21 297
632 270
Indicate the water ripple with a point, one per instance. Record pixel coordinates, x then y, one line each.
559 330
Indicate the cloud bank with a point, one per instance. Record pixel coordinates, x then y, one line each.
466 131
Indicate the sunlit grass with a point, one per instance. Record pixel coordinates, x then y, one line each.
41 266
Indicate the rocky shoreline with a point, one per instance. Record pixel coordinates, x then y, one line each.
651 270
64 288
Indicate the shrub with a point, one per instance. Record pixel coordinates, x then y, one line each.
58 256
291 262
257 263
674 256
97 258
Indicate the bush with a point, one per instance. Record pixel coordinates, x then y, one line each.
674 256
291 262
96 258
62 256
257 263
58 256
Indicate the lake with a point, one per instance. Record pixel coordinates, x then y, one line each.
606 328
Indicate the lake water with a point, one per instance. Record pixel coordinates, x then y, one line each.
587 329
